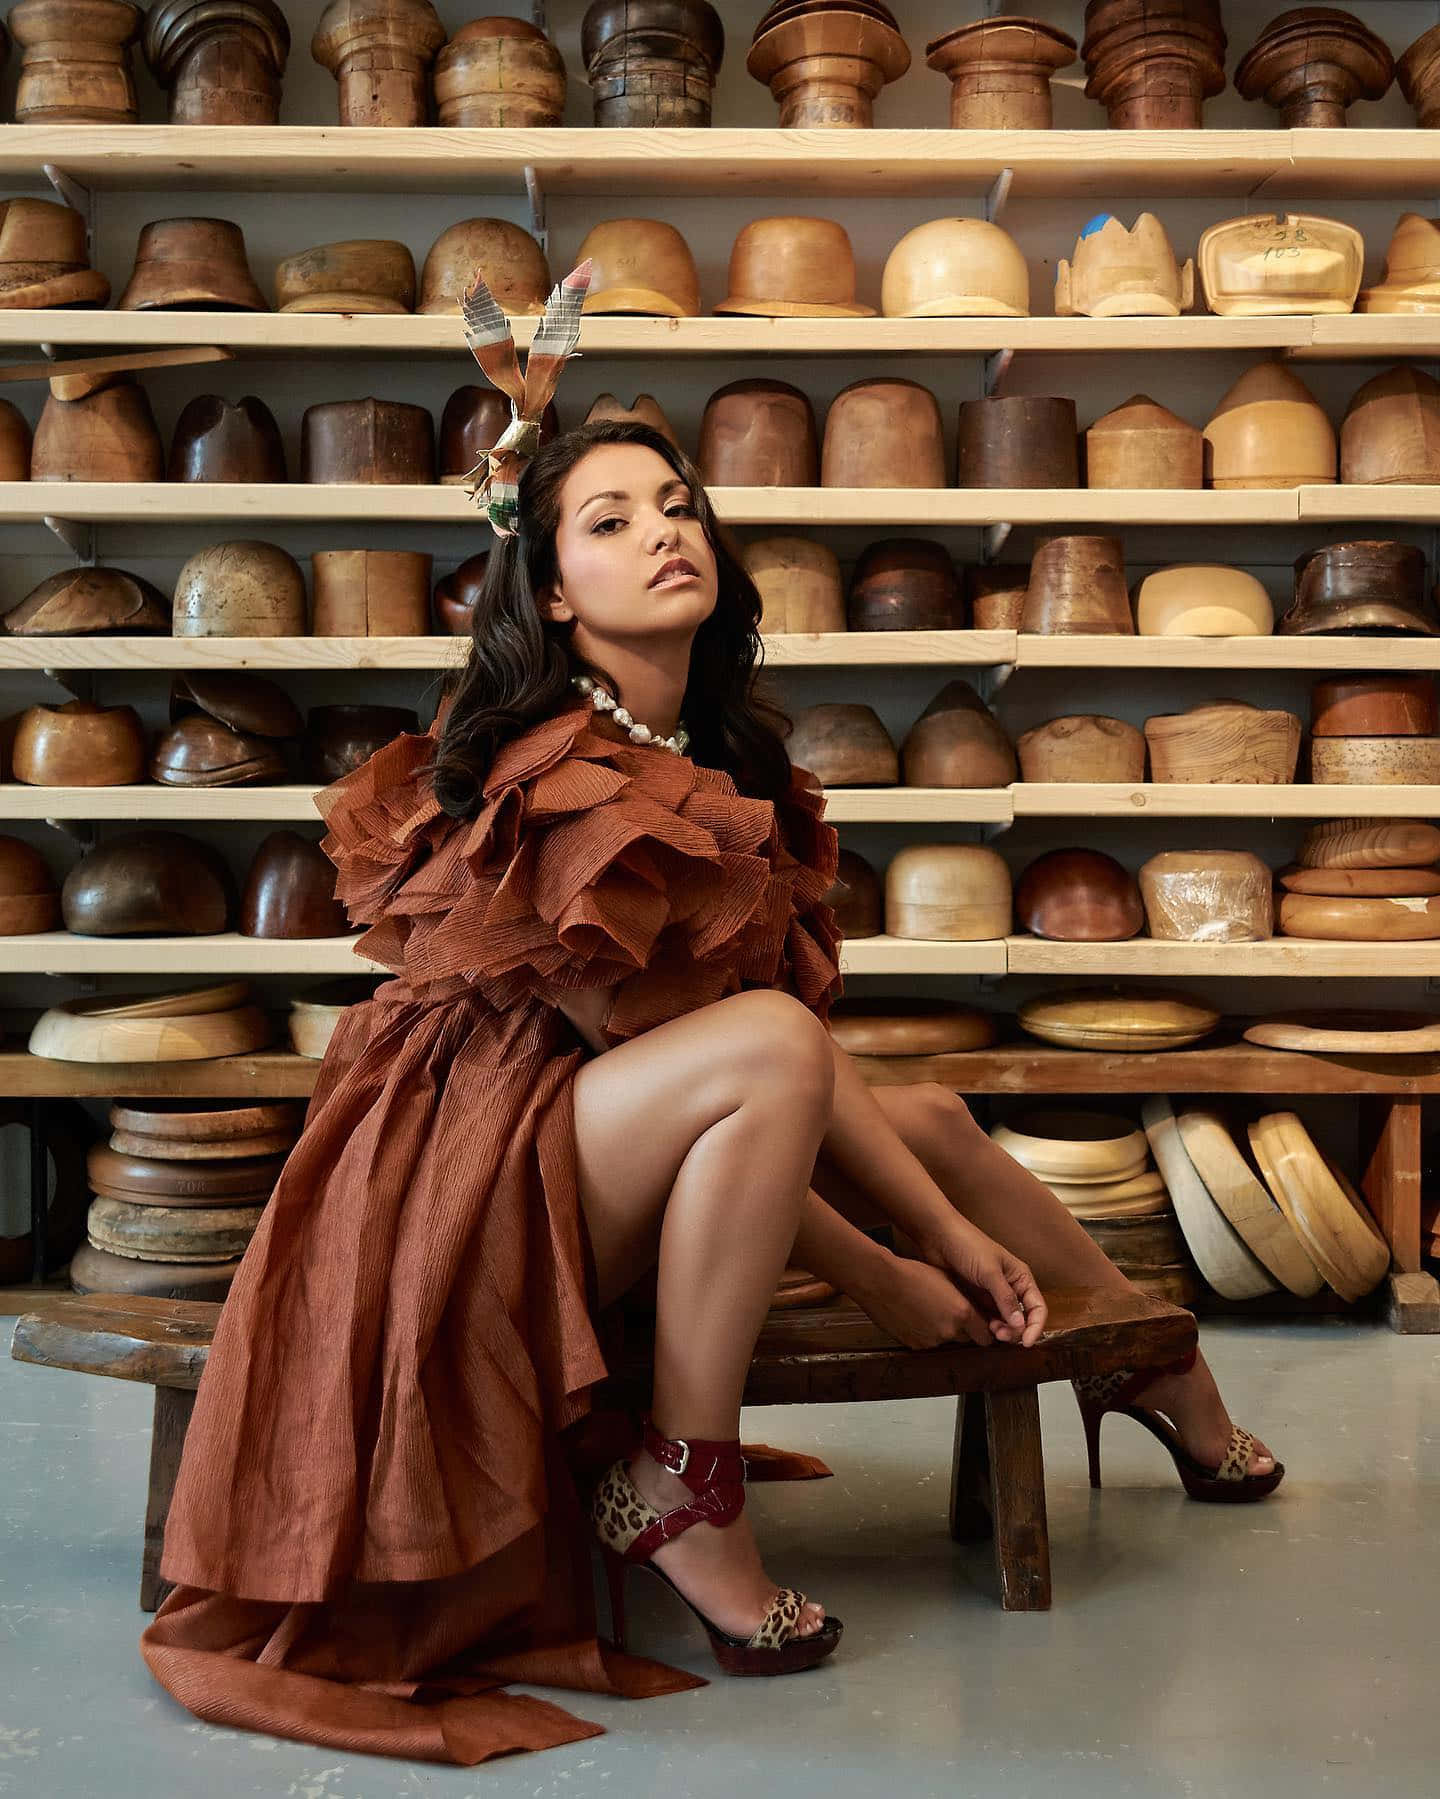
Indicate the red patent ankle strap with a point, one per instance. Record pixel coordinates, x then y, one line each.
714 1472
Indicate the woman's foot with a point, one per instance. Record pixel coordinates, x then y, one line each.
1193 1404
718 1571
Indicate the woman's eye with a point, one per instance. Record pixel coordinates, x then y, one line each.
602 526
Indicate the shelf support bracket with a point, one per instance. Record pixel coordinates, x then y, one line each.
535 194
537 16
78 197
999 194
80 682
996 537
995 827
992 678
80 831
77 538
997 366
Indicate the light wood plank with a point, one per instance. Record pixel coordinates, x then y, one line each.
1175 799
1401 651
1279 956
108 502
1352 503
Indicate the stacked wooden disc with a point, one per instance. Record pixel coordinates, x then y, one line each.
1099 1167
163 1027
1379 730
1117 1018
1324 1210
178 1194
1364 880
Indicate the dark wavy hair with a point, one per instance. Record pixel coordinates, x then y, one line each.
520 664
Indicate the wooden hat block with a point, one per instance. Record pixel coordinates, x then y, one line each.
1360 918
857 897
844 746
999 71
29 897
371 593
824 64
1142 444
1202 600
1411 282
1153 63
1078 896
883 434
1374 706
1264 266
1269 432
909 1027
1115 272
78 744
1082 1148
1362 585
1228 741
75 66
1021 440
1086 747
1391 430
1349 1031
1344 843
651 62
1207 896
947 892
1117 1018
1077 588
1311 63
107 434
221 61
1418 72
644 409
799 582
995 594
1344 883
243 588
362 275
955 268
905 584
957 742
793 266
379 52
759 433
1220 1252
497 74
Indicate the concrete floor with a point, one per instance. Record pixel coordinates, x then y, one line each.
1192 1650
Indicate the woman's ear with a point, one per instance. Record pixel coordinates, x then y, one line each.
553 606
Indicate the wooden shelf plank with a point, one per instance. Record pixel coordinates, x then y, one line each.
1281 956
1352 503
60 952
1384 162
723 160
1365 336
267 1074
109 502
178 805
351 334
1400 651
829 649
790 650
1174 799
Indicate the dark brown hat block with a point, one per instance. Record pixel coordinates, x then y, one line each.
200 751
905 584
290 891
652 62
1077 587
199 1122
99 1271
844 746
474 420
222 64
1078 896
244 701
857 897
166 1182
78 601
957 742
1360 586
456 594
29 894
195 264
380 442
148 883
995 592
221 440
339 738
1375 706
16 443
1020 441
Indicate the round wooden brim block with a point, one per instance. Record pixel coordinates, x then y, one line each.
187 1149
97 1271
215 1183
63 1037
190 1003
1141 1197
209 1124
1370 843
1344 1032
1080 1147
1363 883
913 1028
798 1289
1245 1202
1359 920
1220 1252
1325 1211
1117 1019
171 1234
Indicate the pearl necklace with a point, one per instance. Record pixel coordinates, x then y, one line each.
638 733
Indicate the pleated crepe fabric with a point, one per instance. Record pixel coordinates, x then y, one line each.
376 1526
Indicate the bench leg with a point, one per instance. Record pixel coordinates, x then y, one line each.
998 1482
173 1406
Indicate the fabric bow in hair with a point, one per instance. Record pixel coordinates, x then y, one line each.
496 479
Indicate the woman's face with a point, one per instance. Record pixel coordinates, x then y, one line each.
625 518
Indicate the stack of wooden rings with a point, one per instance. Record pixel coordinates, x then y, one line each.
177 1197
1099 1166
1377 730
1364 880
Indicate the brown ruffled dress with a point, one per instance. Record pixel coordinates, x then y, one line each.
376 1525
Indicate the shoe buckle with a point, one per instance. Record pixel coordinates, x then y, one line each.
684 1449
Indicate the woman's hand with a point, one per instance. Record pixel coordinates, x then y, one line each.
1002 1289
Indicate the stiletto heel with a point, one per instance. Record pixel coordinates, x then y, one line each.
1229 1483
630 1530
615 1578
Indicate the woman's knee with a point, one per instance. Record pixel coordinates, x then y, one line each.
938 1121
784 1051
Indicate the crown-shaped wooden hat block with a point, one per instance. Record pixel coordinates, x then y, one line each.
1411 282
1264 266
1115 272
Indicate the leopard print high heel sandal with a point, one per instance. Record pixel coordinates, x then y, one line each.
1228 1484
630 1530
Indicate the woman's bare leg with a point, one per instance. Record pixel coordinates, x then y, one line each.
695 1144
1009 1204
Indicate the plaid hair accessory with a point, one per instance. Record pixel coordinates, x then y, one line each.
495 480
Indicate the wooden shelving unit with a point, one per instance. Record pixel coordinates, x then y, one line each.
1290 957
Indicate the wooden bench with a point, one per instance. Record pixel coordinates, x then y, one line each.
826 1355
